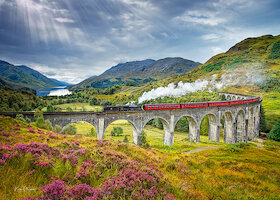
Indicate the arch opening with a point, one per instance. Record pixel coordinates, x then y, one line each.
181 133
82 128
187 124
120 129
209 127
157 131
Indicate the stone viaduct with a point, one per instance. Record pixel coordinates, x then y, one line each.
241 121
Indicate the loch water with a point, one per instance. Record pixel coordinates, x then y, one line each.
53 91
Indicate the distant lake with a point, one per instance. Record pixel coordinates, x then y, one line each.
54 91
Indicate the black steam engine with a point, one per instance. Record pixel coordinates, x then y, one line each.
122 108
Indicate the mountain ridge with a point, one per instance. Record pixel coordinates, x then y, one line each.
138 72
23 76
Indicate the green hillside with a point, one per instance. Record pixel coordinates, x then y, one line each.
23 99
252 66
22 76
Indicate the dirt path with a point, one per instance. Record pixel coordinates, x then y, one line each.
200 149
259 145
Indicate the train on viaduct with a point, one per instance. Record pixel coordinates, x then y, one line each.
240 113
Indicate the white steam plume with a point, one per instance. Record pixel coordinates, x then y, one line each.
230 79
174 91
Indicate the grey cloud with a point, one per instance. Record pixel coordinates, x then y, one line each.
77 39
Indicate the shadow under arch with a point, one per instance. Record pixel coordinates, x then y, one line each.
241 135
228 127
168 134
194 135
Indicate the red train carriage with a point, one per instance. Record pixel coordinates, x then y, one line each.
179 106
252 100
256 99
194 105
218 103
236 102
161 106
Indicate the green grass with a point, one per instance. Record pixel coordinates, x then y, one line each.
83 128
155 138
76 107
235 171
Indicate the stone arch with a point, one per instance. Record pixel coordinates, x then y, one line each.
213 130
233 98
133 125
228 127
238 98
240 127
63 120
251 124
228 97
168 134
194 129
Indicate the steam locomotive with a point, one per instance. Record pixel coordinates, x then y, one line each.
177 105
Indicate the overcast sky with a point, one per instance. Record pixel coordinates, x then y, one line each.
74 39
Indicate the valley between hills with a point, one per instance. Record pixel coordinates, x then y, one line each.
40 160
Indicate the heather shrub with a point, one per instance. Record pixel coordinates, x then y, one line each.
82 191
135 182
274 133
56 190
69 129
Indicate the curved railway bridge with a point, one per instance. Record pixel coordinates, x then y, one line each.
241 121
